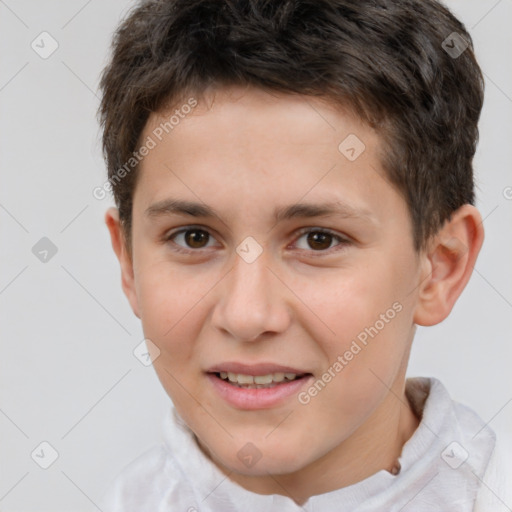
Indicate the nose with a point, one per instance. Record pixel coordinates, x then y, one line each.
252 302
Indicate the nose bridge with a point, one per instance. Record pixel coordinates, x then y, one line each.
251 303
249 278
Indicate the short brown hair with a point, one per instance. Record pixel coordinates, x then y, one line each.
387 60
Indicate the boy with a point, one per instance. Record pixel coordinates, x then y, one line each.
241 136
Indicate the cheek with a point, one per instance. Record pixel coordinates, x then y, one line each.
168 295
170 304
369 324
344 303
171 308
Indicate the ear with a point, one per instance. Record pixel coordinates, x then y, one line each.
448 264
123 255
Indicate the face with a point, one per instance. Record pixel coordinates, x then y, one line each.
274 269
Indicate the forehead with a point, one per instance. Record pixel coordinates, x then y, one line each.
248 145
248 112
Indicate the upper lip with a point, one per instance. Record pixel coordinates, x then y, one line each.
254 369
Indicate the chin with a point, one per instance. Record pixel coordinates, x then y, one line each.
255 460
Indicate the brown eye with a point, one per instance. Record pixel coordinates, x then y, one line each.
196 238
190 239
319 240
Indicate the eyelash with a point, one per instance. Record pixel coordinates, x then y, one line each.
342 241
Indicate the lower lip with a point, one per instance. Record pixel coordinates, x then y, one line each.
262 398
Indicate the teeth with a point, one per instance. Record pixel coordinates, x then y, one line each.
257 380
262 379
245 379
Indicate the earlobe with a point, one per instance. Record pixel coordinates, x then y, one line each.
448 265
125 259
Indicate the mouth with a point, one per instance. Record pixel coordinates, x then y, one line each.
256 386
267 381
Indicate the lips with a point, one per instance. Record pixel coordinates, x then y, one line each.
256 386
254 369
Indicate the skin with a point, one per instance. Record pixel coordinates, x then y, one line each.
245 152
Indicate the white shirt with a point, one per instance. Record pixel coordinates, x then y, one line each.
448 464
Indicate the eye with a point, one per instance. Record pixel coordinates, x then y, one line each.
319 240
191 238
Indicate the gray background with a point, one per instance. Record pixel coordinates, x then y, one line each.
67 372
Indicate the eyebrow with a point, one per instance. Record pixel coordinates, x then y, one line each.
293 211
